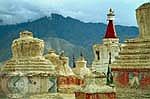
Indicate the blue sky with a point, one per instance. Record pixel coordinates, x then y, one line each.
16 11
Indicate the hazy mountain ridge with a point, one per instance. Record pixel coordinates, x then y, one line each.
62 45
75 33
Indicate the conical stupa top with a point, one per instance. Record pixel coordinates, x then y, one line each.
110 32
91 85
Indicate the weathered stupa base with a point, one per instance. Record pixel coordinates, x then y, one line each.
53 96
93 90
132 93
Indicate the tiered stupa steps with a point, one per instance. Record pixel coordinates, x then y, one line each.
28 57
135 54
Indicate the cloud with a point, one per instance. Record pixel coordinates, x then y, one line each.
16 11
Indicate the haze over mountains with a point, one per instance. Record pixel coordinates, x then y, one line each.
62 33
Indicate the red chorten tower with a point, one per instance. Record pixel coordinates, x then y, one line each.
110 44
110 32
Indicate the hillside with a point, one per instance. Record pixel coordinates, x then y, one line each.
69 32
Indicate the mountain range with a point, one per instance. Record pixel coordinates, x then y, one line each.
62 33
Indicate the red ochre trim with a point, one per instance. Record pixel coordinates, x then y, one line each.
131 69
110 32
82 95
96 93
